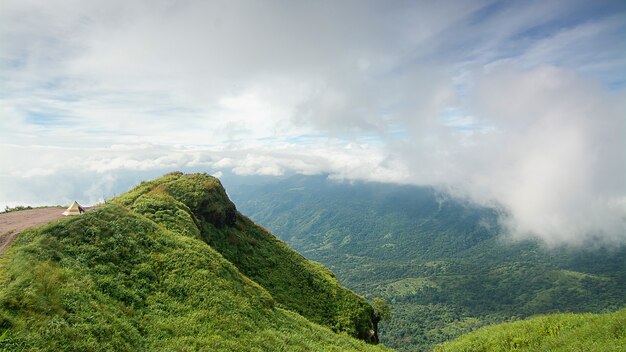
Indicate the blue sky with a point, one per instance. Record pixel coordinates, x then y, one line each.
515 103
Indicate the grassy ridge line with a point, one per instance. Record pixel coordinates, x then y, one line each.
189 202
555 332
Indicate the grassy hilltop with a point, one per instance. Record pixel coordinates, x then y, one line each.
171 265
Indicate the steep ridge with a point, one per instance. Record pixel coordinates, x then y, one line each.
138 274
295 282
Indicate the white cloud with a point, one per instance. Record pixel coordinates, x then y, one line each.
555 159
515 103
91 174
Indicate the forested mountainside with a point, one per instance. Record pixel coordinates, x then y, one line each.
443 264
172 265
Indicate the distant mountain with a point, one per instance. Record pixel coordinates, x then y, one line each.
443 264
172 266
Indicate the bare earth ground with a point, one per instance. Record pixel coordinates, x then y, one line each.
11 224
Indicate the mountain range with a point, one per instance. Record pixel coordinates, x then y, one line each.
445 265
174 265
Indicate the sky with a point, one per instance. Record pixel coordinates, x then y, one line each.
515 104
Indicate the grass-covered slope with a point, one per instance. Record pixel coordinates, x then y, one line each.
295 282
556 332
115 279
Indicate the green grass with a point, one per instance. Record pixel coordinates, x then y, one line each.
139 276
556 332
188 203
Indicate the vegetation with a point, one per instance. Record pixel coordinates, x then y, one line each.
172 265
197 205
138 275
382 311
8 209
555 332
442 264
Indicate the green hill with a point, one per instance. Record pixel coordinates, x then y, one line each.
555 332
171 265
443 264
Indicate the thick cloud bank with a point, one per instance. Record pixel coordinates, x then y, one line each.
554 155
520 105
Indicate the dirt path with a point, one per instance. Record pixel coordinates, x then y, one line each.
11 224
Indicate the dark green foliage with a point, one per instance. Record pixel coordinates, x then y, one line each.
137 277
382 311
442 264
557 332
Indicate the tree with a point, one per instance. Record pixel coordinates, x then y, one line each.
381 309
381 312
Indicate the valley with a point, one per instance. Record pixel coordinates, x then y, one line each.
444 265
